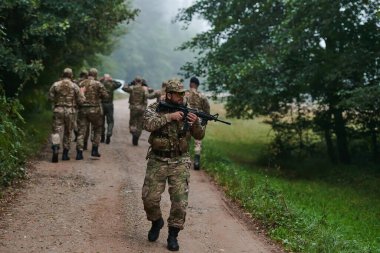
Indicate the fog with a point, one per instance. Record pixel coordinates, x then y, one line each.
148 48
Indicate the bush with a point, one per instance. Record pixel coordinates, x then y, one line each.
12 153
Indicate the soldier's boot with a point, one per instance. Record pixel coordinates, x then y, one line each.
172 239
135 140
85 145
154 231
95 152
55 149
79 155
102 138
65 155
197 162
108 140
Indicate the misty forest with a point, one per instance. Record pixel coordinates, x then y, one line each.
303 85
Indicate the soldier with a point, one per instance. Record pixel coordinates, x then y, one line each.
168 160
107 105
91 112
65 96
82 75
138 101
198 101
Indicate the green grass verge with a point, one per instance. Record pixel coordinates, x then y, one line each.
334 209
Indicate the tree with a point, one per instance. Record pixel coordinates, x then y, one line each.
40 38
285 53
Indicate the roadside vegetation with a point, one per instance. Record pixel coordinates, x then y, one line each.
307 204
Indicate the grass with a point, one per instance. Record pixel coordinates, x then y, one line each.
308 206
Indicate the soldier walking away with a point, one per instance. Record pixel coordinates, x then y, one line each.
168 160
198 101
65 96
107 105
82 76
91 112
138 101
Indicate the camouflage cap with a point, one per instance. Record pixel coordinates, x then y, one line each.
67 72
93 72
174 85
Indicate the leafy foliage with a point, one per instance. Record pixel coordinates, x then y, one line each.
40 38
285 53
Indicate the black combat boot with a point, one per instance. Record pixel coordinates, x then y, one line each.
154 231
197 162
108 140
79 155
55 149
95 152
102 138
135 140
85 145
65 155
172 239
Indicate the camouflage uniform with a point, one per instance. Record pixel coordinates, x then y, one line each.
169 160
91 111
65 96
198 101
138 101
107 105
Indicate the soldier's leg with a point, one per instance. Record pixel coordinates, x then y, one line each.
69 119
178 181
139 123
55 135
103 127
83 125
96 119
197 152
154 186
110 120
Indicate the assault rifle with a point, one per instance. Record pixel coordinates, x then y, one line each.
205 117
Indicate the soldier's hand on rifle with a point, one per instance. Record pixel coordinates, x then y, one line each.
178 116
192 118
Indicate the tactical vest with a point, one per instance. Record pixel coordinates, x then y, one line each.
91 92
65 94
170 137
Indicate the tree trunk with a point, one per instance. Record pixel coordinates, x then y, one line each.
341 137
375 147
330 145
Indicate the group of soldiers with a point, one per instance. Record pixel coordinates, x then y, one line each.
77 105
168 155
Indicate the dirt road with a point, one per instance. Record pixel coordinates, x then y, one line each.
95 206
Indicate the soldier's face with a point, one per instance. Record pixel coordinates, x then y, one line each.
176 97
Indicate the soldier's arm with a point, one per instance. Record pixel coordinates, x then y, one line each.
127 88
79 95
116 84
103 91
51 94
155 94
154 121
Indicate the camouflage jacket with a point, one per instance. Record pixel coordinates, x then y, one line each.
110 86
198 101
65 95
167 135
138 98
94 92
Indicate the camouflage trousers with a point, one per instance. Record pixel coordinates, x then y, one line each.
87 115
178 177
197 147
107 117
62 122
136 121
